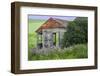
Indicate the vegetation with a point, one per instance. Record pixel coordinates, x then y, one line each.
76 32
73 52
74 41
32 37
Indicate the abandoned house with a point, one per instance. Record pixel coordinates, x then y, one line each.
50 34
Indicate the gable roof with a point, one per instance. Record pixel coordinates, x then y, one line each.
52 23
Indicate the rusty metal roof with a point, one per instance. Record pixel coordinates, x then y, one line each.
52 23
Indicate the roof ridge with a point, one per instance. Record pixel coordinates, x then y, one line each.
51 23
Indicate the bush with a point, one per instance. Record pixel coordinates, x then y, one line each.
76 32
32 40
73 52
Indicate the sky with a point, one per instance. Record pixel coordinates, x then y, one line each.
46 17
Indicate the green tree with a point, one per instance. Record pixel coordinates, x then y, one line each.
76 32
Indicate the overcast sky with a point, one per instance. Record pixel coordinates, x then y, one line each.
46 17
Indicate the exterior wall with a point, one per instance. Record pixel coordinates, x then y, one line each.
47 39
47 36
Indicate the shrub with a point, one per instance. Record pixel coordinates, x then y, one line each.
76 32
72 52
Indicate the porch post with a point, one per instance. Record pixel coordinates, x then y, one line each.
43 38
37 40
41 41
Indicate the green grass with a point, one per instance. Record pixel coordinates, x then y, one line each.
73 52
33 25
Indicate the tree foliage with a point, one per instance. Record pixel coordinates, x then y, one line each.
76 32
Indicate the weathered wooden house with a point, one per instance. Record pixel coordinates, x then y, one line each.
50 34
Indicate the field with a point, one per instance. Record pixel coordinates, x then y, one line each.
33 26
72 52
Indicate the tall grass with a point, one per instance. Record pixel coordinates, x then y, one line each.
32 40
73 52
